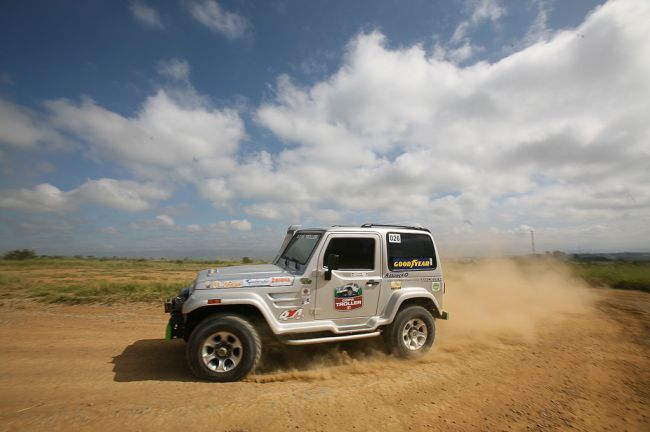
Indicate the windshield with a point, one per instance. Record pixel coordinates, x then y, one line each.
299 250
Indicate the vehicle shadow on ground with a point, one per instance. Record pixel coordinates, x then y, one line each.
164 360
152 360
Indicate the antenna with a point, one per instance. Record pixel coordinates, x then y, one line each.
532 240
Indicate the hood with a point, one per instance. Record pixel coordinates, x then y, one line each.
243 276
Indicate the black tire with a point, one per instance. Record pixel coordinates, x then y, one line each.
223 348
399 337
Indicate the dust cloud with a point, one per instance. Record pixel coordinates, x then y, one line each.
509 298
491 301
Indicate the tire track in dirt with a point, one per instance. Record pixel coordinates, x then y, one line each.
584 367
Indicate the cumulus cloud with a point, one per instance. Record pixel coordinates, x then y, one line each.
123 195
146 15
556 132
41 198
241 225
21 128
553 136
175 69
166 220
194 228
169 136
215 17
460 48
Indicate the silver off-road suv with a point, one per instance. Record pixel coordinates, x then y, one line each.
325 285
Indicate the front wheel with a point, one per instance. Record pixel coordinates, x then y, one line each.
223 348
412 332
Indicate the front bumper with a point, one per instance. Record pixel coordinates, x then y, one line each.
174 307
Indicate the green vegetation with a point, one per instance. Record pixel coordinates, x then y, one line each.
92 280
615 274
101 280
20 254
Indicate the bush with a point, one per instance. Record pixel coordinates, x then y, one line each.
20 254
246 260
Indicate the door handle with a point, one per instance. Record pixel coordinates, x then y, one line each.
372 282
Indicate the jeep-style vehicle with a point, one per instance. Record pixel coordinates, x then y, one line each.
325 285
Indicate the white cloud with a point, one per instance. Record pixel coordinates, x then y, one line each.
166 220
146 15
121 194
21 128
175 69
240 225
552 135
41 198
194 228
118 194
181 138
212 15
460 48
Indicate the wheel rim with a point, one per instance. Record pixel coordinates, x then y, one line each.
221 352
414 334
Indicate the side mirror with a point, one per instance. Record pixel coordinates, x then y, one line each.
332 264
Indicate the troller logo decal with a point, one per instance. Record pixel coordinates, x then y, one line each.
348 297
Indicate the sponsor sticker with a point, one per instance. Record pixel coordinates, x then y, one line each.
412 263
305 281
396 275
216 284
395 285
308 236
435 286
359 274
291 314
212 271
257 282
348 297
233 284
282 281
394 238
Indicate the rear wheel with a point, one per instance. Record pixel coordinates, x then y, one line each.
223 348
412 332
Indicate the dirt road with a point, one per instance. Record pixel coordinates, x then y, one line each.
106 367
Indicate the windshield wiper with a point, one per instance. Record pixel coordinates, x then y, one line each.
291 259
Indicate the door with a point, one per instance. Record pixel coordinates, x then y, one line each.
354 288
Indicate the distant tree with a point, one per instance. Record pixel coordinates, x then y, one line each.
246 260
20 254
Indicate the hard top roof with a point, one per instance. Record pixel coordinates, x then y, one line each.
369 227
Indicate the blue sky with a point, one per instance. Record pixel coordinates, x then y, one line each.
204 128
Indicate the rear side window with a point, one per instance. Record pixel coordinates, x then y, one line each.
409 252
354 253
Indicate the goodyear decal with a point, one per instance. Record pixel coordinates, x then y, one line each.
412 263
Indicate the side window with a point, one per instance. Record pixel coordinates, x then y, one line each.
410 252
354 253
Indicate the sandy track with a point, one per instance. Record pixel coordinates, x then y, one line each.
107 367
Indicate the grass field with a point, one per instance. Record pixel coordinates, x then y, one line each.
70 280
621 275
